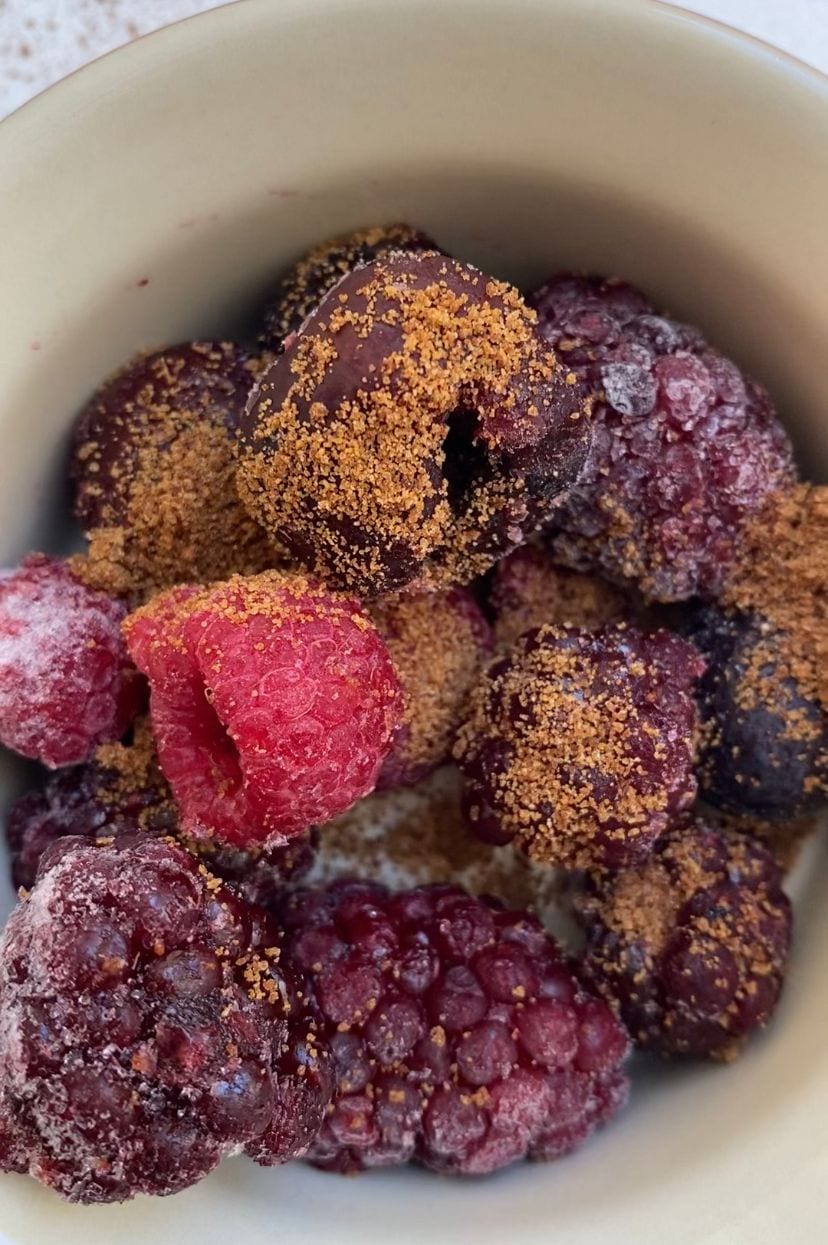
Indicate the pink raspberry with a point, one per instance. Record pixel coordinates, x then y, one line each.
459 1036
66 682
273 703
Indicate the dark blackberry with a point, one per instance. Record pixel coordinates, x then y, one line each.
460 1038
149 1027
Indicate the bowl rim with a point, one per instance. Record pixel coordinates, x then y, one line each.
742 42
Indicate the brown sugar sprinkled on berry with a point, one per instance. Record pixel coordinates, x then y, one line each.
685 447
137 1047
528 590
306 284
273 703
154 469
438 643
460 1039
413 430
580 745
690 947
66 682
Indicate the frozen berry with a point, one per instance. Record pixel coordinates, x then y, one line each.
149 1027
765 743
437 642
66 683
528 590
273 703
685 447
414 430
690 947
580 745
302 289
154 471
459 1036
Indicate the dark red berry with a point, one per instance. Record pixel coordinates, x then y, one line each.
579 745
437 642
273 703
685 447
304 286
66 682
149 1026
460 1038
690 947
413 431
765 742
154 471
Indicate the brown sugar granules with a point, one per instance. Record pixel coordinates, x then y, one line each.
580 745
785 839
782 576
306 284
438 643
419 836
154 467
353 452
528 590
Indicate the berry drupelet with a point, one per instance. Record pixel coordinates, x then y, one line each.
685 447
690 948
460 1039
579 745
148 1027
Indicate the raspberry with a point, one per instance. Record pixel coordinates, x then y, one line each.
414 430
765 743
437 643
685 448
124 791
66 683
273 704
690 947
579 745
528 590
154 471
148 1026
302 289
460 1039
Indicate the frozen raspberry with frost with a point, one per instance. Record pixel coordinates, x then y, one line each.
685 447
764 740
154 471
124 791
273 703
305 285
690 947
437 642
148 1026
579 745
415 429
66 682
528 590
459 1037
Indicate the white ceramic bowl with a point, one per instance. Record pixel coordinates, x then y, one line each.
151 196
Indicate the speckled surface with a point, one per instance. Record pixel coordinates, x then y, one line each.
42 40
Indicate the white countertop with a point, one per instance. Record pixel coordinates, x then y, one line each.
42 40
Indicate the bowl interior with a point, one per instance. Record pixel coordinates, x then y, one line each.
153 196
